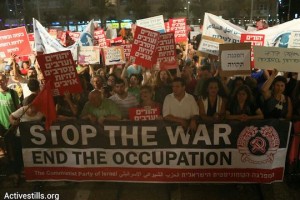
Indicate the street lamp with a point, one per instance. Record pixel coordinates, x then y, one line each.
251 12
187 9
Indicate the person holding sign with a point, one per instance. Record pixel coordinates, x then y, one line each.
181 107
276 104
31 73
242 106
148 109
146 96
212 103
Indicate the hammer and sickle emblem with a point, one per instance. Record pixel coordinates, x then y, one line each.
258 145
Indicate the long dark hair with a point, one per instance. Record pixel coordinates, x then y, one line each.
245 88
204 92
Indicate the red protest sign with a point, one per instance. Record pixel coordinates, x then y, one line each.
30 37
60 69
178 26
117 40
14 41
143 47
165 51
53 33
255 40
74 35
127 50
142 114
100 38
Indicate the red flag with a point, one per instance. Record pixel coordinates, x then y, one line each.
45 104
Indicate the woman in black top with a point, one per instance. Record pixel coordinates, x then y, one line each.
242 106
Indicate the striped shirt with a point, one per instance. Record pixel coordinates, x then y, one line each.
124 104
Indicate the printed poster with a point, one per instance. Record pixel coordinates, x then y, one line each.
60 69
14 41
114 55
89 55
143 47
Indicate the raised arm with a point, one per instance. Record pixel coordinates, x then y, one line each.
265 89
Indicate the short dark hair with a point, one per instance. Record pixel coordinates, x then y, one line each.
33 85
206 67
119 81
179 79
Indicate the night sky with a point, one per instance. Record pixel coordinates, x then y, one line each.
295 8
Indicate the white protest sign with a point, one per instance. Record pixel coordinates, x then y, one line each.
210 45
283 59
153 23
279 35
235 59
89 55
114 55
217 27
294 41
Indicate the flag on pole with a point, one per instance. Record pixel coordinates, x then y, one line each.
45 104
45 43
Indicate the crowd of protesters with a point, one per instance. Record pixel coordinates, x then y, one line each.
191 93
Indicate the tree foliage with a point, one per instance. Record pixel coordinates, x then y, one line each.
103 9
170 7
138 8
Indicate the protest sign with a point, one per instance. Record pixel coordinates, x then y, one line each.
53 32
89 55
143 47
255 40
74 35
60 69
178 26
14 41
114 55
235 59
127 50
156 151
143 114
279 35
294 41
31 41
153 23
166 51
283 59
100 38
217 27
117 40
167 27
210 45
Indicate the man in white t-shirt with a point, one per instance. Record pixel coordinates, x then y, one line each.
181 107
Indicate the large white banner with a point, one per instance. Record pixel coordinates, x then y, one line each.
217 27
45 43
278 36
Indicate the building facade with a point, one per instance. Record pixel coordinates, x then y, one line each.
77 12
